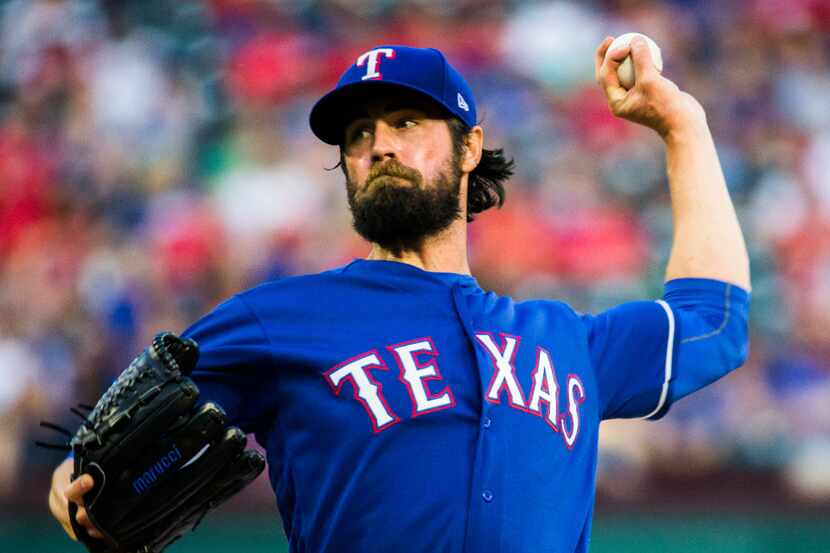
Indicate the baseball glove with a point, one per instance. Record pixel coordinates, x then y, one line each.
159 462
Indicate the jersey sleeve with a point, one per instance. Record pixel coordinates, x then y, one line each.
632 351
235 365
648 354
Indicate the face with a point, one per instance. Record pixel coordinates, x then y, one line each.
403 176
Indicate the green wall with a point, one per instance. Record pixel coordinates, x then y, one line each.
612 534
710 534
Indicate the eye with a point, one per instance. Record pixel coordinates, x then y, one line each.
358 134
407 123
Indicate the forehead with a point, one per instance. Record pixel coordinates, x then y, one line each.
389 100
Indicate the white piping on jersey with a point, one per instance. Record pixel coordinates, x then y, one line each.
669 351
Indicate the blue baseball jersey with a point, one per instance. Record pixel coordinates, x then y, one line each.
411 411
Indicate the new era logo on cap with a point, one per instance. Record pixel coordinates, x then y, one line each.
462 104
423 70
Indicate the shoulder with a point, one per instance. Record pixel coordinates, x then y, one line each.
529 313
248 313
548 308
295 297
557 317
298 286
557 307
292 284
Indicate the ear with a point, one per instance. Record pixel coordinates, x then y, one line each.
474 145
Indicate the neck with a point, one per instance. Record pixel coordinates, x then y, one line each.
446 252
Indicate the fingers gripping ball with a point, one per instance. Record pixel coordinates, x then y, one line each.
625 72
160 461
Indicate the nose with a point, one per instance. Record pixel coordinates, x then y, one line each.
384 144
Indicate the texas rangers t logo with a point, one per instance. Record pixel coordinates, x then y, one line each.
372 61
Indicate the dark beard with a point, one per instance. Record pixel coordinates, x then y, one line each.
399 216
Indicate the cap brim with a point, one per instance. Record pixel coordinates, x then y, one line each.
331 113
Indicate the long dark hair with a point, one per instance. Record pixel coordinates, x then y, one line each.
486 182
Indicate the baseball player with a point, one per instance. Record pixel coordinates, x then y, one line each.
405 409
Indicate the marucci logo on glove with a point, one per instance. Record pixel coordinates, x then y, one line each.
143 482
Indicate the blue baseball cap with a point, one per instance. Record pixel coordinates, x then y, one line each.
423 70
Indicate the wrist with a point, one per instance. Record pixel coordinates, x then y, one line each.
687 119
686 130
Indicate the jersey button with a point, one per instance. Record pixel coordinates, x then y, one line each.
487 496
487 422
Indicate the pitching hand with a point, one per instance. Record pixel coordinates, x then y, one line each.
653 101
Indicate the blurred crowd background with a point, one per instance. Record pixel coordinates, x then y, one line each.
155 157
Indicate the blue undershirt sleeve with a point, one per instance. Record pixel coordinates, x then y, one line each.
714 339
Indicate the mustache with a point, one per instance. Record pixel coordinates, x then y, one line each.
393 168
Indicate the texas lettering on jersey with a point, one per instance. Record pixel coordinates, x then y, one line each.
417 362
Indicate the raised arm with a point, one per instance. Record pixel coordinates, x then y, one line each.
708 242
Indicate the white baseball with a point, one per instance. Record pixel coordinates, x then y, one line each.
625 72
